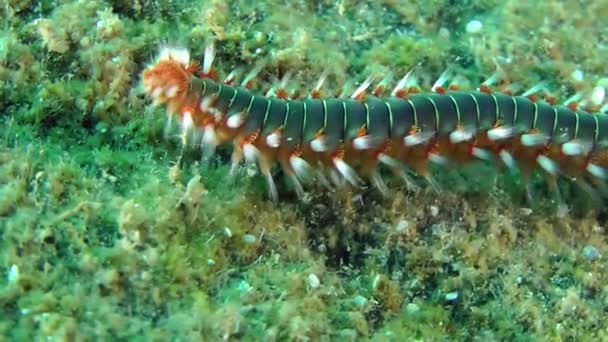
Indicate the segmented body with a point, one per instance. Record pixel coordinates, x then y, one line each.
348 137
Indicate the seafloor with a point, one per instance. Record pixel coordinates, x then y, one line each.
105 236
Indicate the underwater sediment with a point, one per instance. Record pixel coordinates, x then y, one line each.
111 229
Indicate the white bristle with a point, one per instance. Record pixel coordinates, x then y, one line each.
443 78
187 121
597 171
209 136
300 166
297 186
163 54
236 158
598 95
508 159
574 98
347 172
148 87
576 148
384 82
461 135
438 159
209 57
171 91
156 93
235 121
251 152
251 75
379 183
209 140
500 133
319 144
535 89
482 154
231 77
534 139
403 83
205 104
320 81
168 125
271 92
362 88
181 55
272 188
366 142
547 164
417 138
492 80
273 139
388 160
335 178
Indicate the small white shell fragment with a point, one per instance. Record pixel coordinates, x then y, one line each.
578 75
376 282
412 308
434 210
248 238
474 26
313 281
452 296
13 274
227 232
401 226
244 286
360 301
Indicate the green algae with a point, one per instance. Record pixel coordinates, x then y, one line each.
106 233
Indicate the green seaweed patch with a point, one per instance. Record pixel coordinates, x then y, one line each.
403 52
427 322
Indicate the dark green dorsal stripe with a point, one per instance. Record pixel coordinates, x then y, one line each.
256 115
403 116
425 113
355 118
507 111
526 110
378 118
275 115
565 127
315 118
545 119
586 127
447 113
294 124
334 121
488 114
